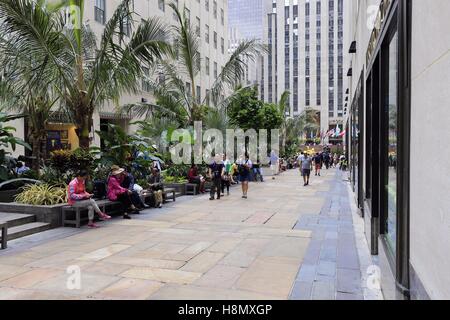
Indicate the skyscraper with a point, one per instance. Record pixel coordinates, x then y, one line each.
247 17
305 39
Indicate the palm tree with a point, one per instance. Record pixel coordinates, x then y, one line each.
88 76
282 109
172 94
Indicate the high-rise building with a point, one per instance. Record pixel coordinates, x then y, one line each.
208 17
247 17
305 42
245 20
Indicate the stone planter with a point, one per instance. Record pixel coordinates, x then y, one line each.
48 214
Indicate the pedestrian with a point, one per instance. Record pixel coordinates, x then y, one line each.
78 197
244 172
21 168
274 164
318 164
226 179
118 193
326 160
306 165
216 172
257 171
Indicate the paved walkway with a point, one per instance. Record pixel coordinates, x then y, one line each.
284 242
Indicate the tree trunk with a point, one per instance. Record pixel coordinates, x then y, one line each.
36 149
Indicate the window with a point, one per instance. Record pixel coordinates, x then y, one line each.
126 27
175 17
199 95
206 33
100 11
197 27
215 40
215 9
187 12
207 5
215 70
222 17
222 45
392 149
161 5
207 66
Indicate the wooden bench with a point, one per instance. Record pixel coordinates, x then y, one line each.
169 193
4 230
102 204
191 189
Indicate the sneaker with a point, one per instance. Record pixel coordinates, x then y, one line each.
127 217
104 216
135 212
245 197
211 199
93 226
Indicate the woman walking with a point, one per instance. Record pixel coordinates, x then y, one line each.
244 172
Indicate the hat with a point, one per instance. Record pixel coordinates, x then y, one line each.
114 167
117 171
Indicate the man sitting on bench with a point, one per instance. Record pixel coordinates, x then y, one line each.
156 187
78 197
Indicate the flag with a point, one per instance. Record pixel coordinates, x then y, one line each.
342 133
338 131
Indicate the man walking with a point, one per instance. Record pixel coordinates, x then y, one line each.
216 172
306 165
318 163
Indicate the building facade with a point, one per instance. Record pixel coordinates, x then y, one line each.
208 17
396 118
245 20
306 57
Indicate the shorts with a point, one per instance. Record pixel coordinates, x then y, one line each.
306 172
318 166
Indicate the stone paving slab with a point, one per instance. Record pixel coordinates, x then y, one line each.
284 241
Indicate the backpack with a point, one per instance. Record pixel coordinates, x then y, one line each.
99 189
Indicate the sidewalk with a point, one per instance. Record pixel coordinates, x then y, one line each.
284 242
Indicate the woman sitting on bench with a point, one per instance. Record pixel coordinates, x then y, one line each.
78 197
156 186
195 178
118 193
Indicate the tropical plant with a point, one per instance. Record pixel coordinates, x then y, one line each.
69 53
42 195
174 97
60 160
283 106
7 140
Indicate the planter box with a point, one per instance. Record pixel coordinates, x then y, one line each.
48 214
179 187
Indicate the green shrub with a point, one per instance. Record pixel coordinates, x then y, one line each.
42 195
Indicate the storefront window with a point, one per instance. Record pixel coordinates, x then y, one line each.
391 188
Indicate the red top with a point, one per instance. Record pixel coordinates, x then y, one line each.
114 188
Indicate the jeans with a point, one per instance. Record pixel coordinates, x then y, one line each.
215 188
225 183
257 171
90 204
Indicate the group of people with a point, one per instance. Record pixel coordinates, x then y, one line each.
121 187
316 162
222 173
